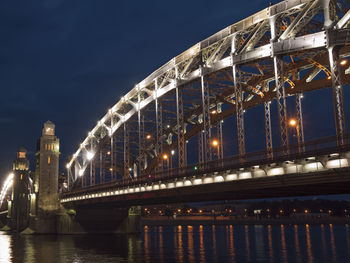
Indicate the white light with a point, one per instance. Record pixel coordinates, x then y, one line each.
89 155
130 169
81 172
172 152
6 186
68 165
245 175
276 171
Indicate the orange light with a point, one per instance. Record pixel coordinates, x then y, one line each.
292 122
165 156
111 169
213 112
200 211
343 62
329 77
108 152
215 142
148 136
306 211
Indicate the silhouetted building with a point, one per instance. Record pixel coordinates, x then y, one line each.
19 205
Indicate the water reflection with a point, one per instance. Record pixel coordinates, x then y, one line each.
270 243
284 243
308 244
247 247
297 246
214 243
324 246
191 256
161 254
201 244
331 233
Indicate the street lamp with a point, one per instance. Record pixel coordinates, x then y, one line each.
293 123
215 143
343 62
165 157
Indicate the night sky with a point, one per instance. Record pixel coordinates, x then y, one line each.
70 61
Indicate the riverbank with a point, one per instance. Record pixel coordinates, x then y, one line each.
209 220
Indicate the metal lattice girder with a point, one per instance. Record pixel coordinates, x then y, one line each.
201 147
102 168
268 131
159 129
219 135
288 20
337 91
206 117
126 151
304 17
299 127
93 173
181 144
299 114
112 168
281 102
239 109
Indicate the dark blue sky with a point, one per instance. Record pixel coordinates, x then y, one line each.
69 61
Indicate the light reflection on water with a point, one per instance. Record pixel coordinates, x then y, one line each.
285 243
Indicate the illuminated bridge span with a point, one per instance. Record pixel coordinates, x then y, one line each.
174 117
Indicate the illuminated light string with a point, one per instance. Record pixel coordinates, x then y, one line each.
5 188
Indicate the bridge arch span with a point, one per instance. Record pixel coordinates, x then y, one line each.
282 51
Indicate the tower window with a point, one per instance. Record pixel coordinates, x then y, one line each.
21 176
49 160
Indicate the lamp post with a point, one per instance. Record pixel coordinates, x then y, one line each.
293 123
165 157
215 143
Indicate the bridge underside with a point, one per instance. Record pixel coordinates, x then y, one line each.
321 183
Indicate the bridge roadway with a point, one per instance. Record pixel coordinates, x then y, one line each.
321 169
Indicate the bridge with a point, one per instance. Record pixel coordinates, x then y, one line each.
164 140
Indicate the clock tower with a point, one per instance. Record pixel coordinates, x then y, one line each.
46 171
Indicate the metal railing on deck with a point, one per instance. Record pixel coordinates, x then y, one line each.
315 148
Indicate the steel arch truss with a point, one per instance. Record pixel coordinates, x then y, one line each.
252 62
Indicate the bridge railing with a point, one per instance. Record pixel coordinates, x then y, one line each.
315 148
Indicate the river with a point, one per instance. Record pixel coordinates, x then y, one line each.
273 244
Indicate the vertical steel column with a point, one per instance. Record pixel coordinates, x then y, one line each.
299 114
206 116
180 127
113 168
159 130
92 167
126 151
201 146
337 91
281 103
268 131
280 91
93 173
141 137
102 168
83 179
219 135
239 109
